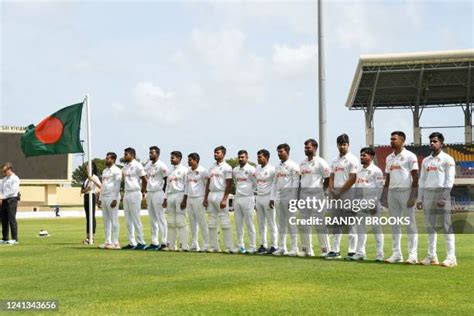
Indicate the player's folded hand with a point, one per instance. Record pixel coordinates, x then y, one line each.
223 204
411 202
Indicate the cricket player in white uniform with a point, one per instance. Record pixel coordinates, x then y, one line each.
402 185
134 176
156 174
285 188
216 202
109 201
344 170
266 217
436 182
369 187
197 178
315 174
174 203
244 201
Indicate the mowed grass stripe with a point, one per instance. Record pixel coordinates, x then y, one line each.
86 279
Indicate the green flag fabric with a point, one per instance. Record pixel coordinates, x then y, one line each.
56 134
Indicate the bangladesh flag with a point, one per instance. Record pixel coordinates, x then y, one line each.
56 134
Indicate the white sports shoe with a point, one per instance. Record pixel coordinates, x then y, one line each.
252 250
228 250
279 252
394 259
113 246
301 253
292 253
211 250
305 252
104 246
412 260
11 242
430 261
358 257
379 257
449 262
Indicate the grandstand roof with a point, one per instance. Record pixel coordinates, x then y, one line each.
400 81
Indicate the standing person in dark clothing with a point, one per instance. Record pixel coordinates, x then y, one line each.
10 194
91 184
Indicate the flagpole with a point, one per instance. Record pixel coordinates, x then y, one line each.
89 155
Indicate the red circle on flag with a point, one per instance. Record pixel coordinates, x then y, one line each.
49 130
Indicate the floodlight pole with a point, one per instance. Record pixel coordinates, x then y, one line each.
321 84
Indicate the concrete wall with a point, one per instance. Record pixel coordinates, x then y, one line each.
42 197
69 196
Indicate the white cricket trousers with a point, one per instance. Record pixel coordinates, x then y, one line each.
111 220
216 216
177 221
244 209
306 231
434 216
197 220
157 216
337 229
284 226
361 229
397 207
266 216
131 206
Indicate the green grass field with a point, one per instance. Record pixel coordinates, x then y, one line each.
88 280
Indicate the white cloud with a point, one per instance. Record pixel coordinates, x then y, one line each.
295 62
229 73
297 16
226 56
217 48
363 25
152 104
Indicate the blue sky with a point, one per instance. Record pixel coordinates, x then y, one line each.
193 75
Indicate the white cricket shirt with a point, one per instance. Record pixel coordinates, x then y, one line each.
132 172
197 180
155 174
265 177
314 172
399 168
244 179
218 174
342 167
111 180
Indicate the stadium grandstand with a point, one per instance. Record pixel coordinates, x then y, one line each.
415 81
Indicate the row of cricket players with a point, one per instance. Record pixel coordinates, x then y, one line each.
192 192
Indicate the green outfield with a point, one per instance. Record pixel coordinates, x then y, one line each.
88 280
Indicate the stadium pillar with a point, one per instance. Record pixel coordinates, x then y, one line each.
369 128
416 110
468 124
417 134
369 114
468 110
